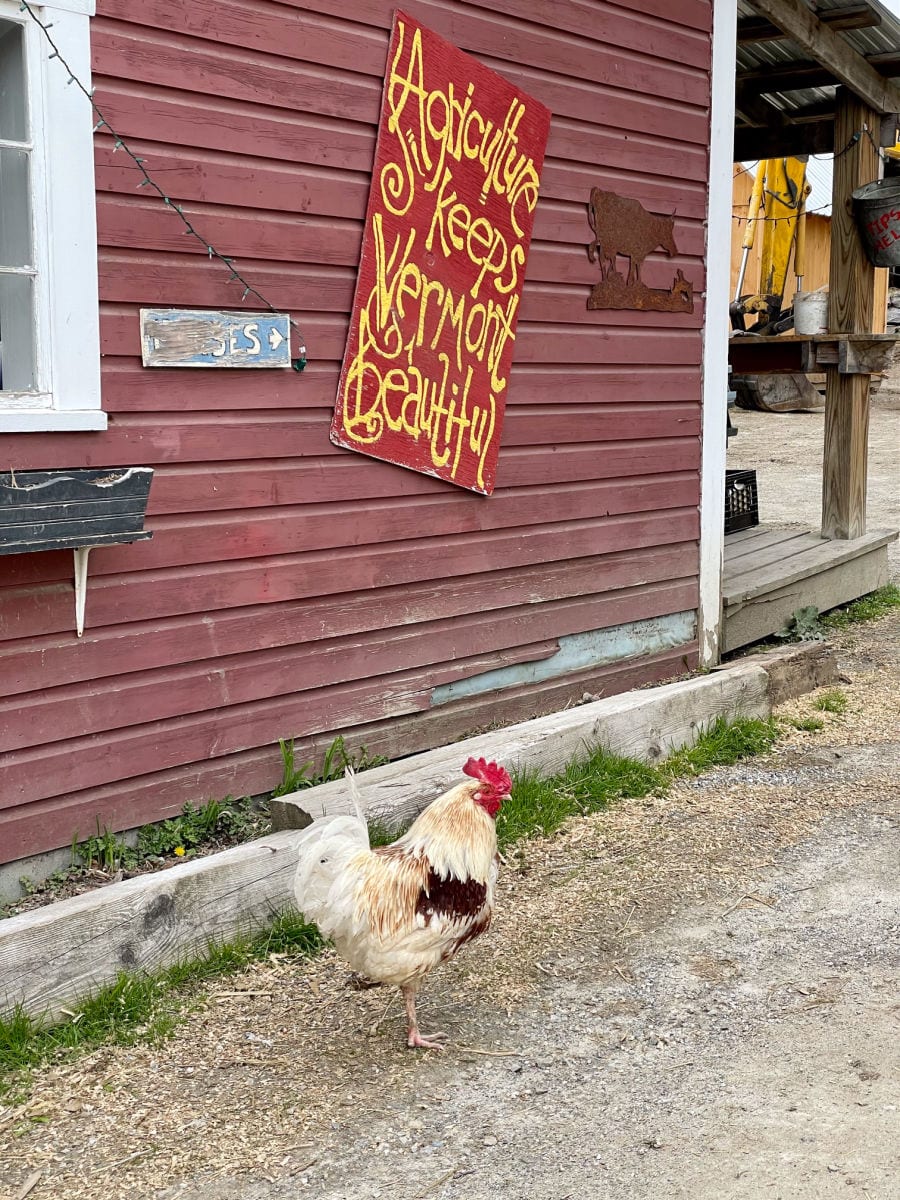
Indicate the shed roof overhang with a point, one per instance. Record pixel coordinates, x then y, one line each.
792 56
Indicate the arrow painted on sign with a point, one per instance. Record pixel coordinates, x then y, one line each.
276 337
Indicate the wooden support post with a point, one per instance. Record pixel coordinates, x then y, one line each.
850 310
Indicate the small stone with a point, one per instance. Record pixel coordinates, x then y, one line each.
490 1140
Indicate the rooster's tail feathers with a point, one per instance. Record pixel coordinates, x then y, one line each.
325 849
355 794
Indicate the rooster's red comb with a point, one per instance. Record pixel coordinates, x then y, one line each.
490 773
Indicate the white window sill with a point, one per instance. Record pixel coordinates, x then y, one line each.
73 419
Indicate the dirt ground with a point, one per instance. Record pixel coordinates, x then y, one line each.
696 995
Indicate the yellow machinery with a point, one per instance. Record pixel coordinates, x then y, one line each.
780 190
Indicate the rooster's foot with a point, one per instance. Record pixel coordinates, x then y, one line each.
431 1041
415 1040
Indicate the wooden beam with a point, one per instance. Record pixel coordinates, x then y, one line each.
647 724
791 76
857 16
850 310
820 42
52 957
758 354
813 137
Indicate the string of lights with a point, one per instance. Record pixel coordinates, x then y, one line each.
773 220
119 143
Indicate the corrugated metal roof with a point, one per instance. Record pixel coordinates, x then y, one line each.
879 39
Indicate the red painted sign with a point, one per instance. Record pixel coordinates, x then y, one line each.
451 208
885 229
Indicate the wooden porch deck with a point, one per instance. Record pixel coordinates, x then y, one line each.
770 572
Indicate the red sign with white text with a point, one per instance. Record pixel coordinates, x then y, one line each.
451 209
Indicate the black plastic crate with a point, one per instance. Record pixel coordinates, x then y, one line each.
741 500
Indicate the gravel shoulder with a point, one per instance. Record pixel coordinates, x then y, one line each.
693 995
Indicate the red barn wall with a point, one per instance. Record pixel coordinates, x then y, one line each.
294 589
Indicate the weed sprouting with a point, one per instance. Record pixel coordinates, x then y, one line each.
105 850
806 724
832 701
335 761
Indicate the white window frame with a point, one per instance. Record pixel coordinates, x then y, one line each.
64 220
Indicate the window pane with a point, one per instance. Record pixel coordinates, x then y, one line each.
15 209
17 333
13 109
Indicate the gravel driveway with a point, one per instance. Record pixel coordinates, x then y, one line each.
751 1053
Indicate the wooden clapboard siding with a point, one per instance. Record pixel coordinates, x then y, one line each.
307 665
222 437
254 183
535 342
33 607
51 661
161 793
326 572
128 388
220 537
294 589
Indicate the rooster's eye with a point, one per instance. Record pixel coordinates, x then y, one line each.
477 796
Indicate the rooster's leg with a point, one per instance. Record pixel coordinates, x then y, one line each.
416 1040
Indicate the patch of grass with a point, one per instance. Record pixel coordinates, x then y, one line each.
139 1007
540 804
806 724
866 608
832 701
337 759
723 743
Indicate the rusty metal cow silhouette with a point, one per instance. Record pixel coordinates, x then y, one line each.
623 226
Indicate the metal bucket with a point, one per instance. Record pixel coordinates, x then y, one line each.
876 207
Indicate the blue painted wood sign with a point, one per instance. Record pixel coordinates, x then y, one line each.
187 337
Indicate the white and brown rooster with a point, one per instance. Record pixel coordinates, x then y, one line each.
395 912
